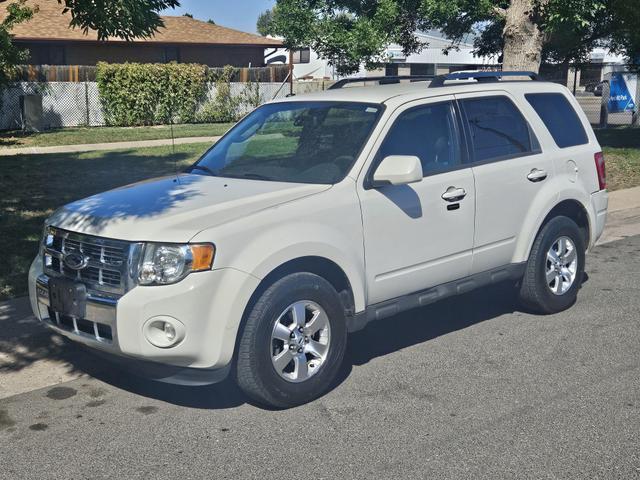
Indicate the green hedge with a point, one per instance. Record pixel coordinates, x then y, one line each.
151 94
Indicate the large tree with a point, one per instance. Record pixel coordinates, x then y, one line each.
350 32
264 25
127 19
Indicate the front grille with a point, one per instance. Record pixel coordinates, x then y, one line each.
106 259
81 326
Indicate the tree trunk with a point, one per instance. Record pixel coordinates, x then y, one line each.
522 38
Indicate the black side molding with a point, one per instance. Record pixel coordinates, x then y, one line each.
388 308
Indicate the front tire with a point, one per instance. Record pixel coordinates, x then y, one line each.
293 342
555 268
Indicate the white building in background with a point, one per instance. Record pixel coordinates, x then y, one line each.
430 61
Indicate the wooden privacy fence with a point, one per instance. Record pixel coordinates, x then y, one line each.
87 73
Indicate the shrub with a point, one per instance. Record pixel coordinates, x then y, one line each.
224 107
150 94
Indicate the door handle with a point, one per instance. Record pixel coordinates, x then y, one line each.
454 194
537 175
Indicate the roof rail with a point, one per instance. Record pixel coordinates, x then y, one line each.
381 80
480 77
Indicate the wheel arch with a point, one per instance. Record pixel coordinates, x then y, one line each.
321 266
569 207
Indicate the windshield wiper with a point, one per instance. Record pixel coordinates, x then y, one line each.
253 176
203 168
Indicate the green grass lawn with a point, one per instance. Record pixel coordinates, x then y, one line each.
80 135
621 147
33 186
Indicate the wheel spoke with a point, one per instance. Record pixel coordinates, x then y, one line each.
316 349
557 288
551 274
299 313
317 323
569 257
562 246
552 256
301 369
283 359
281 332
566 274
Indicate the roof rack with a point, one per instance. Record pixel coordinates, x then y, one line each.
381 80
481 77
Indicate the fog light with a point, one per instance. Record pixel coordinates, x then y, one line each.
164 332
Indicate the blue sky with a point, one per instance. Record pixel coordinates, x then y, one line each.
238 14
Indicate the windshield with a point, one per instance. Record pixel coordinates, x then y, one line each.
303 142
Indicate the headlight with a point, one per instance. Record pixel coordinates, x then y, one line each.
164 264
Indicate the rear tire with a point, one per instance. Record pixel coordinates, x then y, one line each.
284 358
555 268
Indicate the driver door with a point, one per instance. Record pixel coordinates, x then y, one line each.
413 237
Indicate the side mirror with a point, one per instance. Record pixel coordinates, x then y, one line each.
398 170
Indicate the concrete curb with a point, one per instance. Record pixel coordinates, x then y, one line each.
91 147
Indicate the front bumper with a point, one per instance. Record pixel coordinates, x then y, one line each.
209 305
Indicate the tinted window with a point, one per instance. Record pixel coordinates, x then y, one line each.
427 132
559 117
305 142
498 129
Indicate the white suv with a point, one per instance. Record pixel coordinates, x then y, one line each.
319 213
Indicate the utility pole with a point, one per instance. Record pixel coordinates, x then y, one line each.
291 72
635 117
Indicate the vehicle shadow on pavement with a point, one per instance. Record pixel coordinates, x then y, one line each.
378 339
222 395
423 324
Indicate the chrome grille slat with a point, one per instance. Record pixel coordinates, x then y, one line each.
107 260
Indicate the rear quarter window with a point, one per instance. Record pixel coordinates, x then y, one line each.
559 117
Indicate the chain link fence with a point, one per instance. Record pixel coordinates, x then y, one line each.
73 104
590 85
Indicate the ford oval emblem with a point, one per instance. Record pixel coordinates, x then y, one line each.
75 261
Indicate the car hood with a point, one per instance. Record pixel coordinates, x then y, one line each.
175 208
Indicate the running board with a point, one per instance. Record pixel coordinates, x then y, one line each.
392 307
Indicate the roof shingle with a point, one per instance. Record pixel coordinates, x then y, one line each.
49 23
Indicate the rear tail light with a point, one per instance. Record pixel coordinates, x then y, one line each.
602 175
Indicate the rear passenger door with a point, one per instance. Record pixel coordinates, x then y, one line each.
509 170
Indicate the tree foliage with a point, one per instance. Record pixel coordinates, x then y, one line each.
264 25
127 19
350 32
10 55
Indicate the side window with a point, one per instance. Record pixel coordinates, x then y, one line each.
498 129
559 117
427 132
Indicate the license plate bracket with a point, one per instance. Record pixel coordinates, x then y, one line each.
68 297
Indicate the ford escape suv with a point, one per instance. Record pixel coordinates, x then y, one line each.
317 214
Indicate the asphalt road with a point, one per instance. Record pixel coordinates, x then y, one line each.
468 388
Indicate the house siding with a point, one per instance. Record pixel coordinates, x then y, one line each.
76 53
